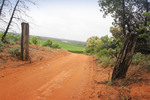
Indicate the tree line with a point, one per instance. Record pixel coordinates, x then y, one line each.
12 13
133 17
131 29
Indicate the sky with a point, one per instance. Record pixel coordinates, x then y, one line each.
69 19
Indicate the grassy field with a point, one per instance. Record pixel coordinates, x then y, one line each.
70 47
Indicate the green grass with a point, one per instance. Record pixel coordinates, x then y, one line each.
70 47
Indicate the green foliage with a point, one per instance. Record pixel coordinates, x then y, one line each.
105 48
117 33
141 59
91 43
9 41
107 60
1 44
15 52
103 52
47 43
56 46
146 14
34 40
14 37
101 45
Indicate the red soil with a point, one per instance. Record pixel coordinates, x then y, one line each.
60 75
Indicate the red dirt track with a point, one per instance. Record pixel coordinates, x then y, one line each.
61 75
63 78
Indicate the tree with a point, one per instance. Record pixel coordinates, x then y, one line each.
117 33
10 20
128 14
19 10
2 5
143 41
91 43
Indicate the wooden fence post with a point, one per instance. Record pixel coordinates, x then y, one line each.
25 41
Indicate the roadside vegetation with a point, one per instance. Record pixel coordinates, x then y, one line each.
13 39
107 49
58 45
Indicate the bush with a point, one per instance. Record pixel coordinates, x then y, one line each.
138 58
107 61
9 41
34 40
102 52
40 43
56 46
1 44
15 52
14 37
47 43
141 59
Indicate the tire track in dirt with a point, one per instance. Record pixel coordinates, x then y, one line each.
65 78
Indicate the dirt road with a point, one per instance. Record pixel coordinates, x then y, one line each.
63 78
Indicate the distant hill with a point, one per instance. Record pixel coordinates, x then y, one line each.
54 39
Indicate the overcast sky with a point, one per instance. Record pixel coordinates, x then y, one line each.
69 19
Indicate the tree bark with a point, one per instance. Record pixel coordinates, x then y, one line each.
125 57
11 18
25 42
2 7
123 18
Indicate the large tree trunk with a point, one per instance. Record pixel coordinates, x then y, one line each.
10 20
1 8
125 57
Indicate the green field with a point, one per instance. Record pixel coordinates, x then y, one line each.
70 47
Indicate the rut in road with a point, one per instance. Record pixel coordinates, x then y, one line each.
65 78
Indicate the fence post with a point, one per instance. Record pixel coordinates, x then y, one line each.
25 41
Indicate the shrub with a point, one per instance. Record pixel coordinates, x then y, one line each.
1 44
56 46
9 41
138 58
34 40
142 59
15 52
47 43
107 61
102 52
14 37
11 50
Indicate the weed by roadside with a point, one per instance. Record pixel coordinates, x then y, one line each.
141 59
107 61
34 40
1 44
124 94
47 43
15 51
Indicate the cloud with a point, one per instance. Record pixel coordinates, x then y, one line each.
70 21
